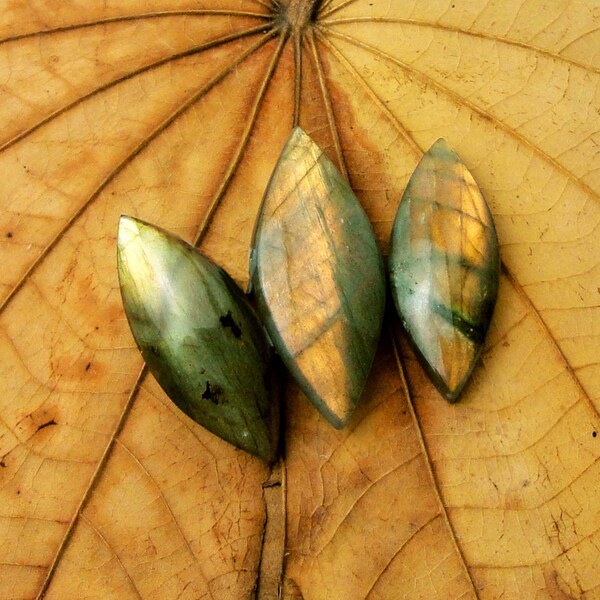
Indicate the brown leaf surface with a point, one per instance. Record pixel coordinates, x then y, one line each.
175 112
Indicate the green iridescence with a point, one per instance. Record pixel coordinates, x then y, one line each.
444 268
198 335
319 278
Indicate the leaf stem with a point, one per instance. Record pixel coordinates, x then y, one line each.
301 13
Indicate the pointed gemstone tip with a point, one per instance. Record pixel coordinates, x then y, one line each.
440 147
298 138
128 229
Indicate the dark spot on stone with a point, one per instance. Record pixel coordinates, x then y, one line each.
88 366
48 424
9 234
212 393
594 433
228 322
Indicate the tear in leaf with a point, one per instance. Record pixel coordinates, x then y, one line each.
175 299
319 278
444 265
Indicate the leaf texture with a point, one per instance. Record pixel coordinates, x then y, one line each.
175 112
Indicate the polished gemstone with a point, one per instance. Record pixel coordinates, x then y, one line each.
444 267
198 336
319 278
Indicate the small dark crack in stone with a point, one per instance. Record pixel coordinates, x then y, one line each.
213 393
228 322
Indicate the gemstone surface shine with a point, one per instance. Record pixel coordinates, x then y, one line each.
444 267
318 277
198 335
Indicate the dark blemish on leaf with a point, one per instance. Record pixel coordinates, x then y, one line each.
154 350
212 393
228 322
594 433
18 492
2 464
88 366
271 484
9 234
48 424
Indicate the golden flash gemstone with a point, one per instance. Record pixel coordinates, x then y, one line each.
318 278
444 267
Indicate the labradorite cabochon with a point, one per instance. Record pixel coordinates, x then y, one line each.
198 336
318 278
444 267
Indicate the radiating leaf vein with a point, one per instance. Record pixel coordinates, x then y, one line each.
136 17
131 156
466 32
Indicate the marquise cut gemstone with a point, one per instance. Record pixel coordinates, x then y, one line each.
444 267
319 278
198 335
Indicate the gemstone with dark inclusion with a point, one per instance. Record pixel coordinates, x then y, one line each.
198 336
444 267
318 278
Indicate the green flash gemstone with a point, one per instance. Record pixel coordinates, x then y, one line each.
444 267
198 336
318 277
